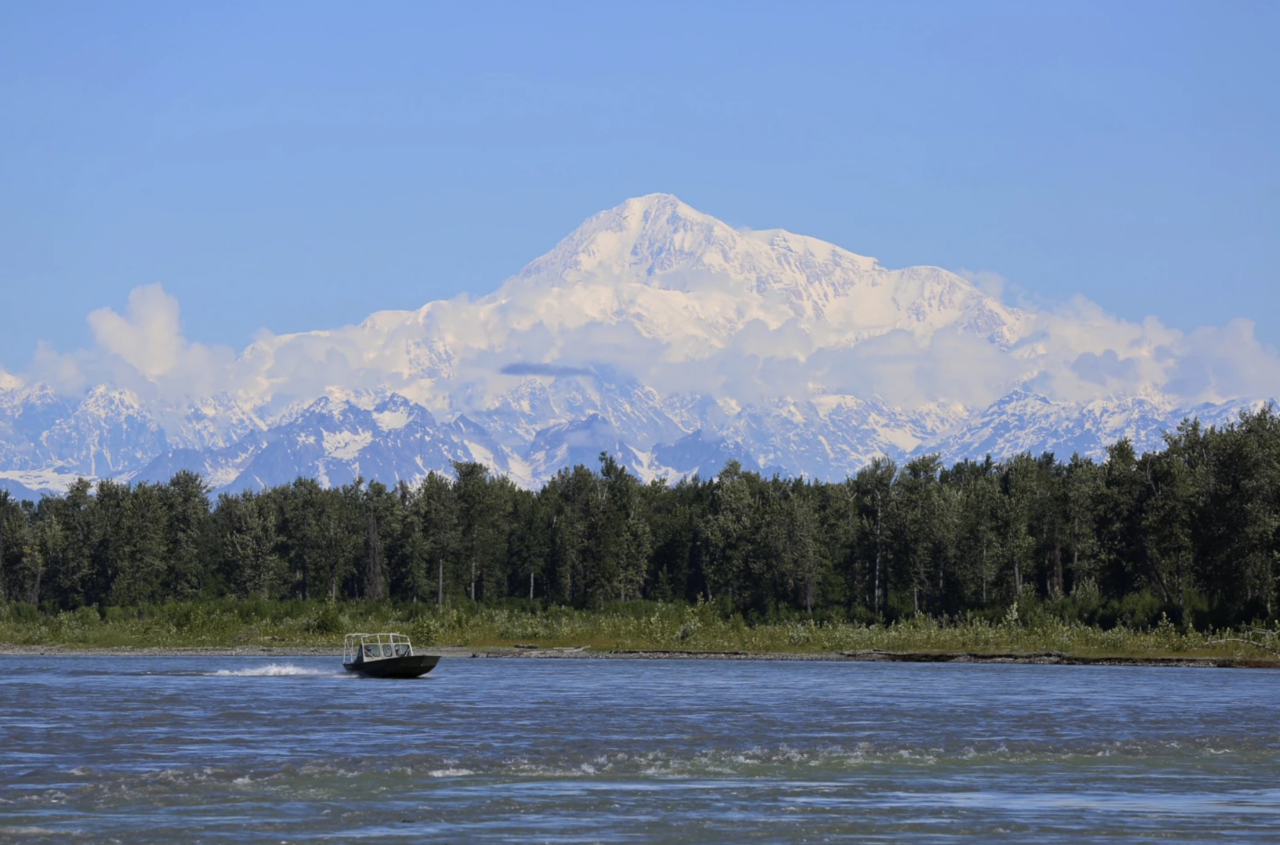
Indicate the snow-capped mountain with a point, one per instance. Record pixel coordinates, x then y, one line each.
1029 422
653 332
336 441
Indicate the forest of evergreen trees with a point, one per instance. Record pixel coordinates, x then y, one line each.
1192 531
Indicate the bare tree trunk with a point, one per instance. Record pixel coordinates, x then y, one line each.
473 579
1271 588
4 501
875 602
333 567
942 584
440 582
34 593
531 586
1181 603
984 572
1075 550
375 584
857 595
1155 570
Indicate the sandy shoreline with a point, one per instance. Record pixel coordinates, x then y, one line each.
530 652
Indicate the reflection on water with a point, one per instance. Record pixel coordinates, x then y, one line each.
231 749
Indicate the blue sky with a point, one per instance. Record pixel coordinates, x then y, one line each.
294 166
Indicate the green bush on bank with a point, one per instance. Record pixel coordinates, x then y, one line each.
624 626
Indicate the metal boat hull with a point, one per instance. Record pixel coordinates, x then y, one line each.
409 666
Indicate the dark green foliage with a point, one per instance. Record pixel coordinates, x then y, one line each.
1191 533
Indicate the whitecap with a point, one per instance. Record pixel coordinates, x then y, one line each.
273 670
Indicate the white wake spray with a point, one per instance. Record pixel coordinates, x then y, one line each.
276 670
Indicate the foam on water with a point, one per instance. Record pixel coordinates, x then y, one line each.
275 670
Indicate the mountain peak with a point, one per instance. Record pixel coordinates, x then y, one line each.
656 237
651 234
650 203
691 280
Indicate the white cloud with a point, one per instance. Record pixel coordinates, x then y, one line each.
1214 364
458 355
61 371
908 371
988 281
144 350
149 338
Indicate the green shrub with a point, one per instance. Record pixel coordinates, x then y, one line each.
324 620
1024 626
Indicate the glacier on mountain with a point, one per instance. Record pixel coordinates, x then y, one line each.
653 332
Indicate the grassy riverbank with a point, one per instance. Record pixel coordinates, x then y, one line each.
635 626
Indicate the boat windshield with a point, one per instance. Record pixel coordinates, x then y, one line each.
362 647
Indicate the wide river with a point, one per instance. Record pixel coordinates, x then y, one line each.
146 749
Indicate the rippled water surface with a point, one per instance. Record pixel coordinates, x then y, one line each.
138 749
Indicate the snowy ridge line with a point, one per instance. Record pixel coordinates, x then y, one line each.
398 440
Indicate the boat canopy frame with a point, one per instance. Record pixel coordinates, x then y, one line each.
360 648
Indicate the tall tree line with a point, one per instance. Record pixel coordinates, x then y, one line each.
1192 531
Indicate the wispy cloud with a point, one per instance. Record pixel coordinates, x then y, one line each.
988 281
144 350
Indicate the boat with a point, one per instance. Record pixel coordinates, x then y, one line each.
385 656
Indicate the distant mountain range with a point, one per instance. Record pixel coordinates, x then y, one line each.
653 332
